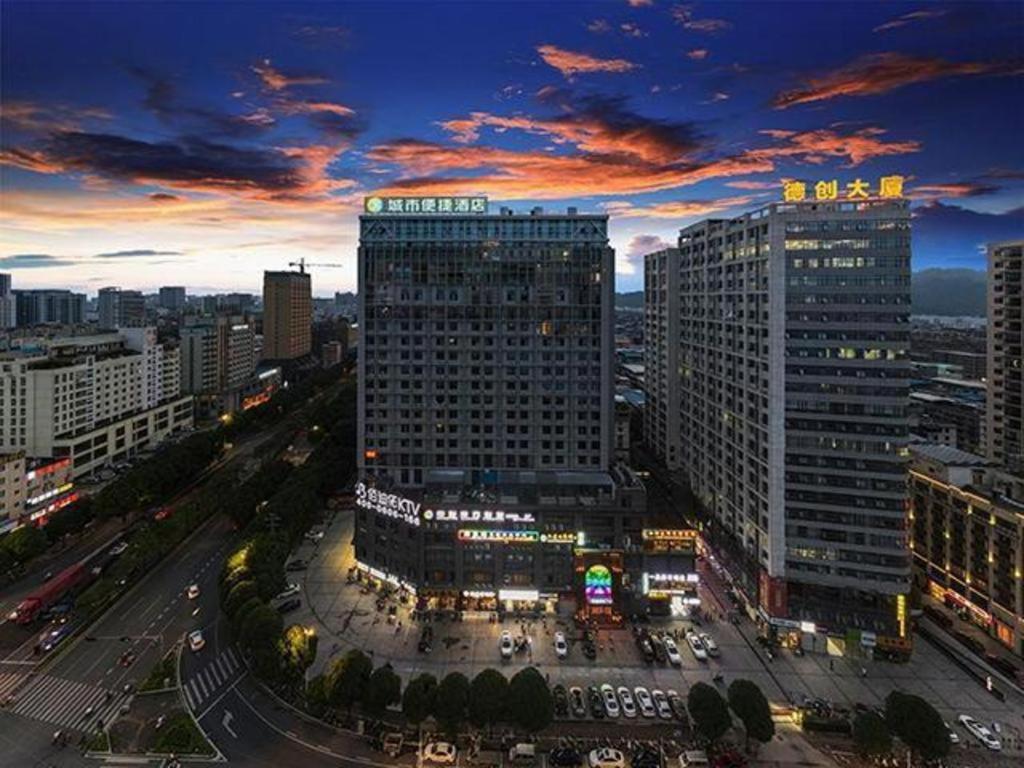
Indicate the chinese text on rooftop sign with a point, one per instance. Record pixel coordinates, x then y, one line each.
440 205
889 187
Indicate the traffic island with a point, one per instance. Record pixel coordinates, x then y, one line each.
157 724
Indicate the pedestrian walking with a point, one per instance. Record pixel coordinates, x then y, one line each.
831 665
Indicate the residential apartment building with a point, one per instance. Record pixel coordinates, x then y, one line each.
49 307
117 308
218 360
967 537
486 413
1006 354
792 388
661 356
287 315
172 298
8 305
90 399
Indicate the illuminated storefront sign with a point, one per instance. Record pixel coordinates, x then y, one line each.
47 469
431 205
501 537
656 584
529 595
478 593
559 537
58 504
901 614
597 585
388 504
49 494
253 401
889 187
384 576
666 534
477 516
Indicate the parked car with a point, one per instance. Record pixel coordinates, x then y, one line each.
588 646
672 651
696 646
289 605
196 642
193 591
291 589
659 649
954 737
644 701
506 645
981 733
627 702
561 647
709 644
678 705
596 702
661 704
439 753
296 565
577 703
426 639
611 704
314 535
606 757
564 757
561 700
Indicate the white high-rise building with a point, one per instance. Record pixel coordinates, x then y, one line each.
1005 410
792 339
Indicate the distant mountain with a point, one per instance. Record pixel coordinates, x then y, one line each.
630 300
951 292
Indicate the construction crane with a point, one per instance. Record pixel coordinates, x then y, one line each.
301 264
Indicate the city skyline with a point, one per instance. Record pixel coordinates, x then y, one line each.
146 146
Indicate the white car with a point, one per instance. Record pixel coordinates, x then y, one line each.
644 701
606 758
193 591
611 704
561 647
439 753
696 646
661 704
315 535
291 589
709 644
981 733
505 645
954 737
196 642
672 651
626 699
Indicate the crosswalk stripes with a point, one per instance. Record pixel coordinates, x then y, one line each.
206 682
8 682
65 703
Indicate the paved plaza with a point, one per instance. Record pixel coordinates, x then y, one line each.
346 616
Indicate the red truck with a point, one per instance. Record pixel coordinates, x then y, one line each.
50 592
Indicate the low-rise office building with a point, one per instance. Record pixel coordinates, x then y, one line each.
33 489
967 538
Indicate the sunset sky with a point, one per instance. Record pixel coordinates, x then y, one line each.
147 144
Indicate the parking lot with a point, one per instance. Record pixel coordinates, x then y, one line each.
346 615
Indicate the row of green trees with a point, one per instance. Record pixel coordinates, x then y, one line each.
909 718
275 507
712 719
485 701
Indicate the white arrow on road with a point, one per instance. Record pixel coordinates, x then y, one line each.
228 717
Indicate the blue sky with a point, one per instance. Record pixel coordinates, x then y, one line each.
201 143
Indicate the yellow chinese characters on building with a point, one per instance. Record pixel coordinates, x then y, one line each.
889 187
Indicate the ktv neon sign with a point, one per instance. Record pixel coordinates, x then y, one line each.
597 585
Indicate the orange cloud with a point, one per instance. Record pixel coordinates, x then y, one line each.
276 80
432 168
879 73
683 15
951 189
697 54
752 185
640 3
33 117
571 63
675 209
315 107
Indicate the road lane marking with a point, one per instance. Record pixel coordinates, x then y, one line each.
226 722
